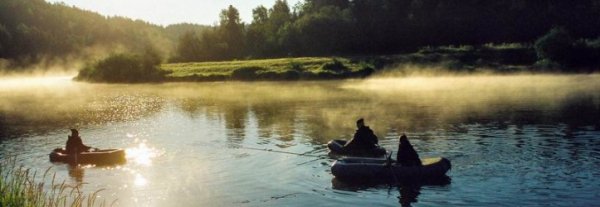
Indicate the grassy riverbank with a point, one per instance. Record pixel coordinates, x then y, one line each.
302 68
21 187
464 59
497 58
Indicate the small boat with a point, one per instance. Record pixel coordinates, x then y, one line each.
98 157
365 169
337 147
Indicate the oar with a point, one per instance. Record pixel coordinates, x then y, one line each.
389 166
283 152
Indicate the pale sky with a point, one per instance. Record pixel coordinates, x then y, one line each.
165 12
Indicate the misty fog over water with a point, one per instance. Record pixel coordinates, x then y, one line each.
513 140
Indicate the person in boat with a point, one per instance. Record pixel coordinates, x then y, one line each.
364 138
406 155
74 143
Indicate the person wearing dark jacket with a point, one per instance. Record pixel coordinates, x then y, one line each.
406 155
364 138
74 143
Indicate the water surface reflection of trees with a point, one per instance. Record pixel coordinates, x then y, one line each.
317 121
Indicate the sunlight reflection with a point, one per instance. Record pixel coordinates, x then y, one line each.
140 180
141 154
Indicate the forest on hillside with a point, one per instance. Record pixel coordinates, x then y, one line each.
34 30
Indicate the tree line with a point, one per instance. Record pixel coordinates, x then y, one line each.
32 30
359 27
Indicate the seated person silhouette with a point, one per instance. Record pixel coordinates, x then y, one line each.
74 143
406 155
364 138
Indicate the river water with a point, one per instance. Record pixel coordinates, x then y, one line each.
515 140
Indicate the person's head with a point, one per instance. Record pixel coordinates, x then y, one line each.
404 139
74 132
360 123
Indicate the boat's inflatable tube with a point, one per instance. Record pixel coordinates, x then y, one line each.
99 157
337 147
365 169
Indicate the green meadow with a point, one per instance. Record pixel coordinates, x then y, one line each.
268 69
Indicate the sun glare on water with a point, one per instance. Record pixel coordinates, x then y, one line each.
140 180
140 154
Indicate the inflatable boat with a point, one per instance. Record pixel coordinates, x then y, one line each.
337 147
365 169
98 157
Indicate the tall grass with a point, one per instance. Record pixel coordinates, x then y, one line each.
20 186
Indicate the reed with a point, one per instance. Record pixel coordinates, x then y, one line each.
20 186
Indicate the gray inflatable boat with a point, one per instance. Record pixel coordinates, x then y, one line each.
365 169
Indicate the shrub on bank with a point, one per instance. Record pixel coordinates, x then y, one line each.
124 68
335 65
555 45
558 49
296 66
246 73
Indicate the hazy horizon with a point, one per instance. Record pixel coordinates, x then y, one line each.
162 12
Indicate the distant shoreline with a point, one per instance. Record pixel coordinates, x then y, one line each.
443 60
489 59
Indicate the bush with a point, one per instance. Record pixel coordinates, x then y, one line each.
124 68
557 49
555 46
291 75
335 66
296 66
246 73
